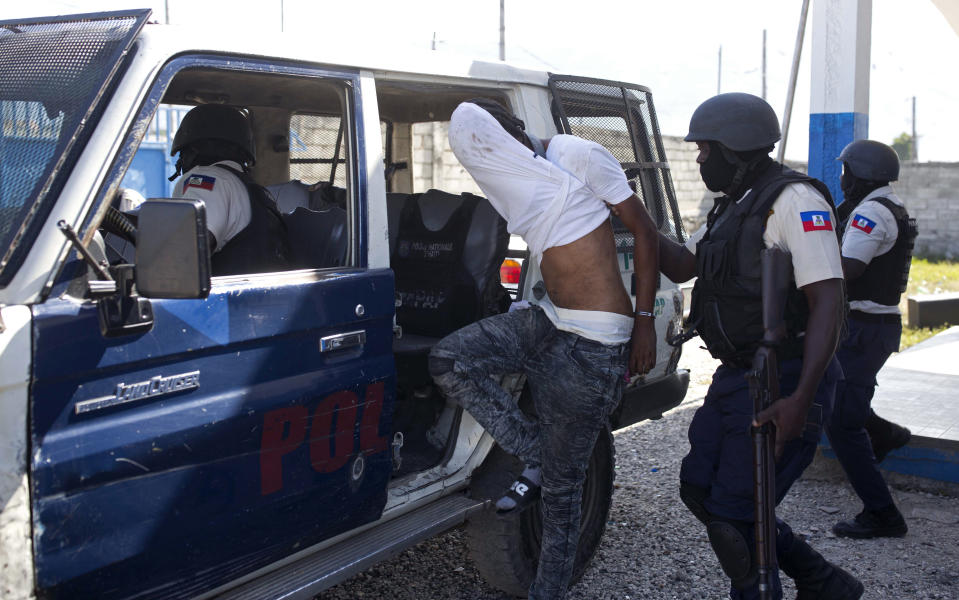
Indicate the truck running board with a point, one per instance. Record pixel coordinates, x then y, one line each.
304 578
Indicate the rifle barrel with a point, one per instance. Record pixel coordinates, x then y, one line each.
764 387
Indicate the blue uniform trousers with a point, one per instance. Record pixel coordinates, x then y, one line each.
861 355
720 456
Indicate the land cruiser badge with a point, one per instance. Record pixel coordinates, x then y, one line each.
155 386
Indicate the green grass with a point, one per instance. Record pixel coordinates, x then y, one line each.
913 335
927 276
932 276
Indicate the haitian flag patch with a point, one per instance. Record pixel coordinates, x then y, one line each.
203 182
816 220
862 223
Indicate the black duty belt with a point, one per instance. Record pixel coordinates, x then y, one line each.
875 317
784 352
736 363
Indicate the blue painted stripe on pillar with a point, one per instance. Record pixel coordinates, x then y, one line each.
829 133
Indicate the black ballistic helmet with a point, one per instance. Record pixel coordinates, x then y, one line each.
215 122
739 121
872 161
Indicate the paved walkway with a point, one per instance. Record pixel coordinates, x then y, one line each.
919 388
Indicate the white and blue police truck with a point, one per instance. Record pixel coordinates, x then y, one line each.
167 432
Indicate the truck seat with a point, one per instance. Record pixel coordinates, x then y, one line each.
484 248
295 194
318 238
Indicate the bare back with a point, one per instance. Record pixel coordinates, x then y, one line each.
584 274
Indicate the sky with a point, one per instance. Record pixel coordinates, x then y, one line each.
670 46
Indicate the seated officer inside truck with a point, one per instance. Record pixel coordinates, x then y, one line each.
247 234
573 346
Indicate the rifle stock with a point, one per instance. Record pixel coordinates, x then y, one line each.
764 390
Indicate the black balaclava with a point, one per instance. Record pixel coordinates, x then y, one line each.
854 190
732 173
717 172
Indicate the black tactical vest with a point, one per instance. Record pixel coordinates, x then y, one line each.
727 296
886 275
436 292
262 246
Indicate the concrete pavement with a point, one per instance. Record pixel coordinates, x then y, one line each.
919 389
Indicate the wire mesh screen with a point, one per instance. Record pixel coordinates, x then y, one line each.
27 143
52 74
609 131
318 149
621 118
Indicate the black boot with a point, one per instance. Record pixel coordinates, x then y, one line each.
815 577
885 436
884 522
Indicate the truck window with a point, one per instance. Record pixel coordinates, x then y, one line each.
148 174
29 128
54 79
317 151
293 196
28 140
434 165
417 148
621 117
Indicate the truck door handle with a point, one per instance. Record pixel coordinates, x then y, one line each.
342 340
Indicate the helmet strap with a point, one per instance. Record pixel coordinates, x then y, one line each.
207 152
186 161
744 167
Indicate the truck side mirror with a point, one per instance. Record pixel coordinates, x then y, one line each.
172 251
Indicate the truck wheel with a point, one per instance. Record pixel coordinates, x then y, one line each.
505 549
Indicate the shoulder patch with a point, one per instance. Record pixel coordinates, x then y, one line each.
863 223
816 220
203 182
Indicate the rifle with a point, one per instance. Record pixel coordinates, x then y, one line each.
764 390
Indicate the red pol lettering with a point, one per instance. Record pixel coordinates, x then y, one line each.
333 433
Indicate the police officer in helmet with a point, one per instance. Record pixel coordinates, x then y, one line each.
246 232
764 205
876 253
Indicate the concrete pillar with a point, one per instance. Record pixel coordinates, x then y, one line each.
839 106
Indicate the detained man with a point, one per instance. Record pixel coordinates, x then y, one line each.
577 343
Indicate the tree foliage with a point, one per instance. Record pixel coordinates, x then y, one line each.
904 147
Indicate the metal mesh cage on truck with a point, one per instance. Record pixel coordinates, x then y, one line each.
318 148
54 77
621 118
